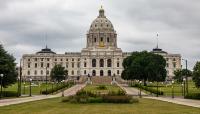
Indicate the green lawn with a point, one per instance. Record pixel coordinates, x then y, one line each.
36 87
94 88
167 89
55 106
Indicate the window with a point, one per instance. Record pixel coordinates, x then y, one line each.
61 59
42 65
109 72
29 60
35 65
78 65
117 64
167 65
35 72
101 63
167 59
78 59
174 65
93 73
66 59
85 72
109 63
35 59
41 72
95 40
72 59
108 39
47 72
72 65
72 72
66 65
93 62
85 64
28 72
29 65
55 59
118 72
48 65
42 59
48 59
174 59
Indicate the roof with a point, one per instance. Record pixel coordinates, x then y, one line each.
46 50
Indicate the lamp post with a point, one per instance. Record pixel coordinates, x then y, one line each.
140 89
172 89
1 85
24 87
184 79
63 88
182 88
30 87
18 89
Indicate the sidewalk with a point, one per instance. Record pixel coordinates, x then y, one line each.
68 92
181 101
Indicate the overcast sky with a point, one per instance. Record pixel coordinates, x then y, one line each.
24 23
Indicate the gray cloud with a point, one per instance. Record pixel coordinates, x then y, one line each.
24 23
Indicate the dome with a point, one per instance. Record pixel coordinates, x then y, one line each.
101 23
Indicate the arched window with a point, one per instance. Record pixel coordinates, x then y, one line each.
93 73
101 39
109 72
109 63
94 63
35 72
28 72
85 64
72 72
41 72
101 63
101 73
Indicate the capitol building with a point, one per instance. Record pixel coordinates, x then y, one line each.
100 57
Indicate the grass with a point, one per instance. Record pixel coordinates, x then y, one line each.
94 88
35 89
55 106
167 89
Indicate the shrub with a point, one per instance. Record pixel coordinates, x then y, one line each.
193 96
102 87
119 99
55 89
10 94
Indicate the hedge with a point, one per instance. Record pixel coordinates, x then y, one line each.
57 88
9 94
193 96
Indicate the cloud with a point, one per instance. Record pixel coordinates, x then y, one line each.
24 23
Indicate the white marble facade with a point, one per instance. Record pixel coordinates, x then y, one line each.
101 57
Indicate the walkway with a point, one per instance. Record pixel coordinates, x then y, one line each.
130 90
68 92
181 101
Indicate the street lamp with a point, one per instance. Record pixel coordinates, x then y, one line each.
186 62
24 87
1 85
172 89
140 89
184 79
30 87
182 88
63 88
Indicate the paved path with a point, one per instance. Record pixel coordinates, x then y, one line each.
131 90
68 92
181 101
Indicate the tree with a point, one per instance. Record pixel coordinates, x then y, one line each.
144 66
7 68
181 73
58 73
196 74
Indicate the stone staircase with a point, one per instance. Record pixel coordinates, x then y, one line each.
101 80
